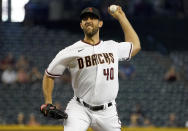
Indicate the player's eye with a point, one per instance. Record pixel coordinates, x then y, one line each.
86 17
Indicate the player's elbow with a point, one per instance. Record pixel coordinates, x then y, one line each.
136 49
137 46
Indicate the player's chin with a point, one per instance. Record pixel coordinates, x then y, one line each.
89 32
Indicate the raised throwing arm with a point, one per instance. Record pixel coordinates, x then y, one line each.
129 33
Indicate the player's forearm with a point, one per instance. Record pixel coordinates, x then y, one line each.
48 85
130 35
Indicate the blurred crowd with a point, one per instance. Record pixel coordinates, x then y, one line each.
58 10
157 7
18 71
23 71
138 118
31 120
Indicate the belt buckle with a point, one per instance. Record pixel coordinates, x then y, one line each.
105 106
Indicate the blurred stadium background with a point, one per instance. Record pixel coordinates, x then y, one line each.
153 85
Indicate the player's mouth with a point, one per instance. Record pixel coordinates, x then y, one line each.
89 27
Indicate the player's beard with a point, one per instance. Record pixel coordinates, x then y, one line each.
90 32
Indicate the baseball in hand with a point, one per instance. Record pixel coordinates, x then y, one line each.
113 8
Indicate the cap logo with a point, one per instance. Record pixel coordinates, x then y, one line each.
90 9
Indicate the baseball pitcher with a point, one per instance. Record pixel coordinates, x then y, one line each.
93 64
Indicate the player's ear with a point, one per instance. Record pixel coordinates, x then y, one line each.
81 25
100 23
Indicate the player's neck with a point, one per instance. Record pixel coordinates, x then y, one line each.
92 40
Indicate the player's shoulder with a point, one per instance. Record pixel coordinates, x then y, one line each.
71 47
112 42
109 42
75 45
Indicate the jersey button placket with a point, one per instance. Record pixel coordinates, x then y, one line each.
96 71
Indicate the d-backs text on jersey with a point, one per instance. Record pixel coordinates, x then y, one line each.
95 59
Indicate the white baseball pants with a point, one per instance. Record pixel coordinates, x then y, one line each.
80 118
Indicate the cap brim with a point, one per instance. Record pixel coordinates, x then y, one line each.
88 13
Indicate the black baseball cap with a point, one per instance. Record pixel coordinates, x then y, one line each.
90 10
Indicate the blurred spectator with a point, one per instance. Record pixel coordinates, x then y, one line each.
137 116
172 122
32 121
8 60
9 76
171 75
126 71
138 110
22 76
20 119
22 63
35 75
134 120
58 105
147 123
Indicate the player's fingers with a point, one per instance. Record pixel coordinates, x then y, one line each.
119 9
42 107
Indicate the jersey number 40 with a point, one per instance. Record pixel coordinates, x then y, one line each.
109 73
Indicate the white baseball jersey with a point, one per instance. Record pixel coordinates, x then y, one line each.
93 68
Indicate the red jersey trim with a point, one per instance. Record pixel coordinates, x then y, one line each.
130 52
90 43
51 75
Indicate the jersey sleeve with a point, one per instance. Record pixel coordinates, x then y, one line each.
124 50
58 64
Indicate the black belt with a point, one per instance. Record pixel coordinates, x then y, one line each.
93 108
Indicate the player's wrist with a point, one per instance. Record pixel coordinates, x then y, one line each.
122 18
48 102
